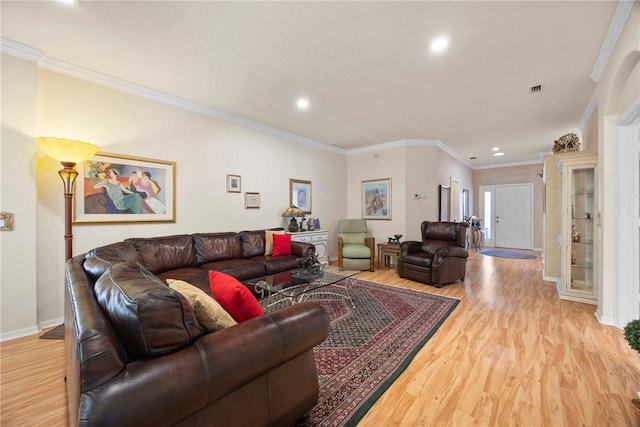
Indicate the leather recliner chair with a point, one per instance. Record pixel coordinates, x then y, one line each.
439 258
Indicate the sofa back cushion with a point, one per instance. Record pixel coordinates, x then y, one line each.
149 317
98 260
160 254
212 247
453 232
252 243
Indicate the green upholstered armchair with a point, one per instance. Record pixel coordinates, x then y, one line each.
355 250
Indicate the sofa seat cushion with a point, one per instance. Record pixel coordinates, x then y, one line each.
150 318
419 258
196 276
209 312
276 264
159 254
241 269
356 251
234 296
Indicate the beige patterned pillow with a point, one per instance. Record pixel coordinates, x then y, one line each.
268 240
209 312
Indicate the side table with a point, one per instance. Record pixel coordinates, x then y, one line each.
387 252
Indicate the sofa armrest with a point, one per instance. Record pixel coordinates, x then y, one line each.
446 249
303 249
237 355
211 368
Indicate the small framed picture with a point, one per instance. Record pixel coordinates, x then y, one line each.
252 200
300 194
316 223
233 184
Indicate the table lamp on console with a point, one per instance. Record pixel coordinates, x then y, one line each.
293 212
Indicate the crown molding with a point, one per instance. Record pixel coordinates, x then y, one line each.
588 111
21 50
26 52
406 143
508 165
623 9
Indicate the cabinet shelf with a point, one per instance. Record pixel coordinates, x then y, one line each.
586 266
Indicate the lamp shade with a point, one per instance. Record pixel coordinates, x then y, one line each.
66 150
292 212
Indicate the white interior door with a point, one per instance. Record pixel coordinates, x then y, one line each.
513 216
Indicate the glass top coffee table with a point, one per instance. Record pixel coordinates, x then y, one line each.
286 286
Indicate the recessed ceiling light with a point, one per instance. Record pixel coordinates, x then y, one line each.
439 44
67 1
302 103
495 149
498 154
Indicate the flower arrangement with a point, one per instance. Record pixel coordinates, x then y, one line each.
566 143
474 221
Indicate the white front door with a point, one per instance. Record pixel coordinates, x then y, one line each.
513 217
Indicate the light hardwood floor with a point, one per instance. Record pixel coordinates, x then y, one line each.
510 354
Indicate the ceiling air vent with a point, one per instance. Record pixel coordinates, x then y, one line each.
537 88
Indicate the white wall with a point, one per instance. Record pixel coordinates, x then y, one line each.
204 148
415 166
617 89
385 161
17 195
421 179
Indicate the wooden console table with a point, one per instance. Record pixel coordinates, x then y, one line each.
387 252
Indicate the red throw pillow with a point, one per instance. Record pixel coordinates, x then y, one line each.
281 244
234 297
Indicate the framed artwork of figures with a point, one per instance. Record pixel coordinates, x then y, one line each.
118 188
376 199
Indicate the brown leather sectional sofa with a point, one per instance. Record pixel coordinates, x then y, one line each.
137 356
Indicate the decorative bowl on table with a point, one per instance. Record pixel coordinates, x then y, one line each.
397 236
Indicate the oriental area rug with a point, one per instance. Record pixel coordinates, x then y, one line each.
369 346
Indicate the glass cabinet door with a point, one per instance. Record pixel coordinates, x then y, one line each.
578 237
582 230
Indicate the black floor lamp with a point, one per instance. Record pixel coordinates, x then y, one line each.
69 153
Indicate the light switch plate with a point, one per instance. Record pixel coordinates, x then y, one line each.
6 221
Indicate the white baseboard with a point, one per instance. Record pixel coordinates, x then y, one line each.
51 323
19 333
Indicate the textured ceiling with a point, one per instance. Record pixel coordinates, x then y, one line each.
364 66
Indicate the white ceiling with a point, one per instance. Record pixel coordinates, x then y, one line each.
364 66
